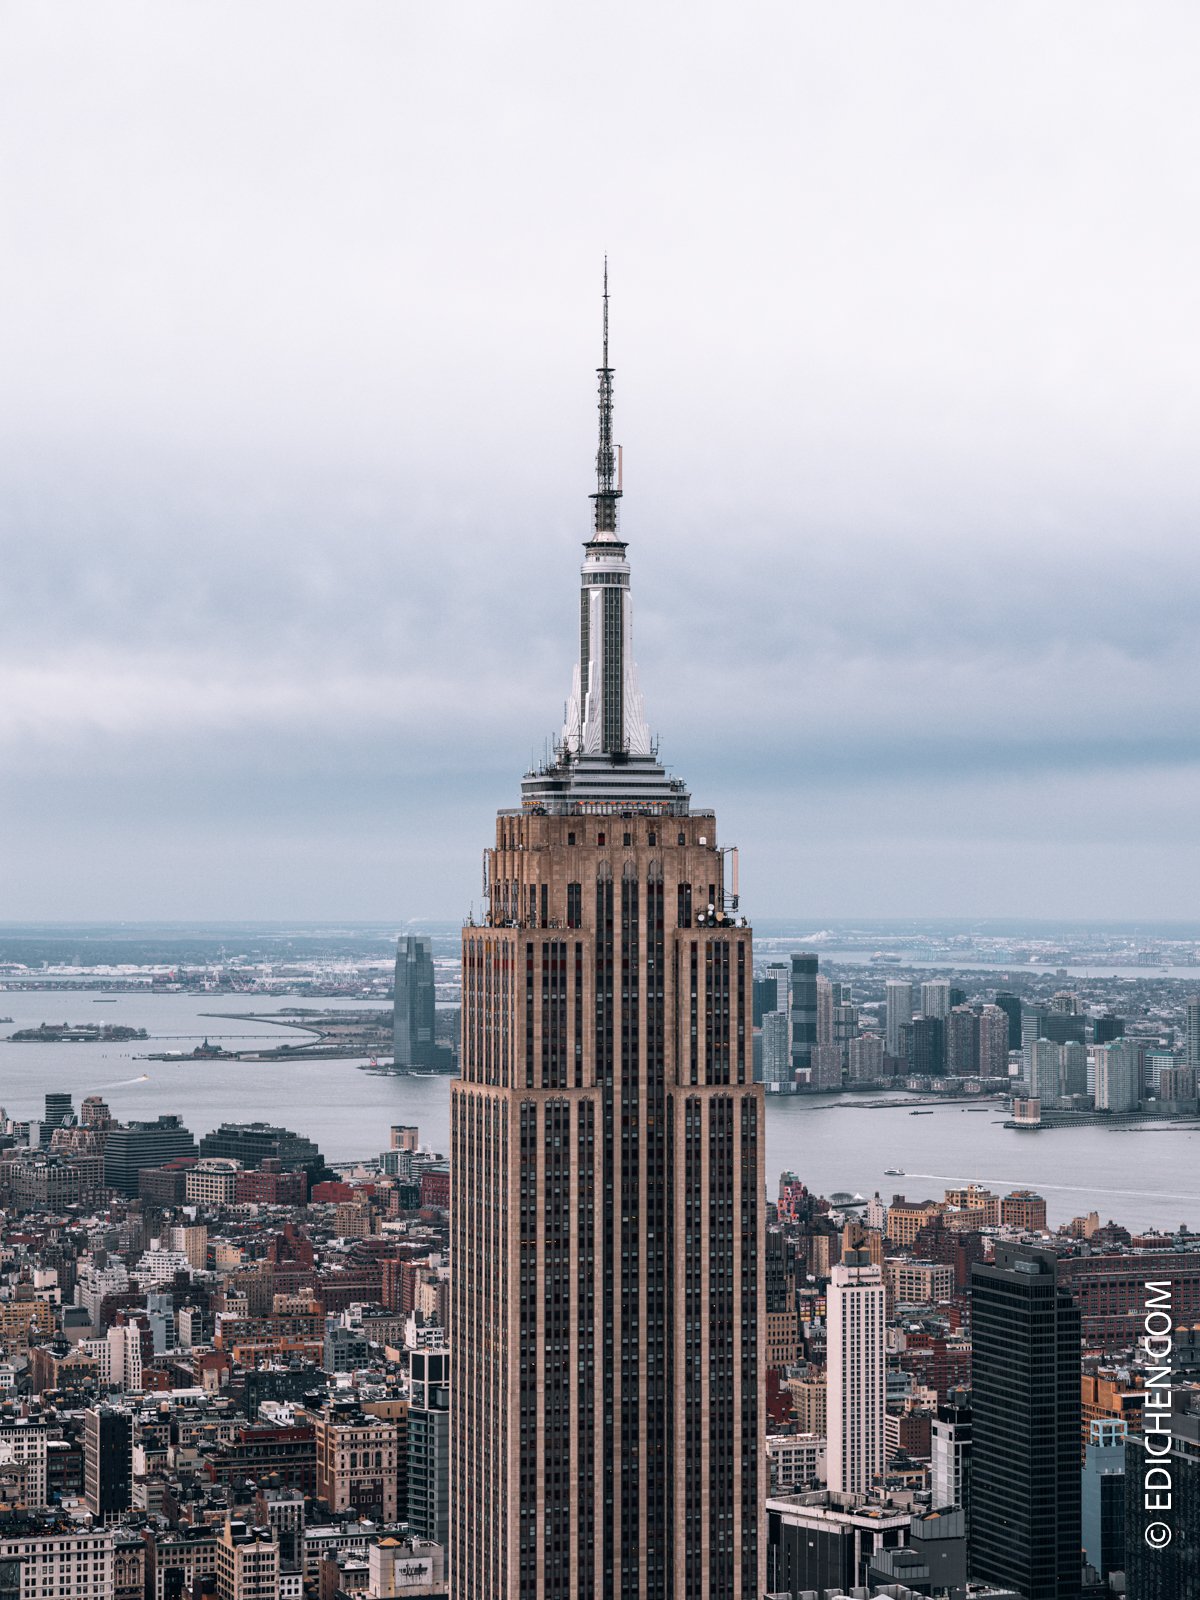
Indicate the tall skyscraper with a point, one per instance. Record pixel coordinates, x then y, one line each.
1073 1073
950 1456
899 1014
428 1445
781 971
962 1042
765 998
855 1379
1154 1571
607 1401
107 1462
845 1022
993 1043
927 1046
1117 1071
1011 1007
824 1010
1108 1026
59 1111
1104 1495
935 998
1045 1077
1025 1477
413 1006
866 1058
804 1009
1192 1058
777 1050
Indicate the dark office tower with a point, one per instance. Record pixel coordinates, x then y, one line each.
1064 1027
1163 1571
1109 1027
804 1009
766 996
413 1017
107 1462
928 1047
1011 1007
143 1144
429 1445
780 1270
962 1042
59 1110
1025 1474
607 1250
252 1143
958 997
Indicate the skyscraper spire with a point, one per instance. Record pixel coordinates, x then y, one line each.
607 494
605 752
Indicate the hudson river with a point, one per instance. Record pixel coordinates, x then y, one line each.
1147 1178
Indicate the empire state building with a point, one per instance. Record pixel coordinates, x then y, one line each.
606 1222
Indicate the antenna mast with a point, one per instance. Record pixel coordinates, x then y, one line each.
608 492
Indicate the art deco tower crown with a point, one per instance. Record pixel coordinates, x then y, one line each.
605 756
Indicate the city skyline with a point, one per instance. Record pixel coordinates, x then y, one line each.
290 394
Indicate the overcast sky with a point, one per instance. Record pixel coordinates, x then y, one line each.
299 316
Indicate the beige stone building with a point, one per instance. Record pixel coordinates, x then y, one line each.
358 1461
906 1218
247 1562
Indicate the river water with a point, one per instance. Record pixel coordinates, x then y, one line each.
1145 1178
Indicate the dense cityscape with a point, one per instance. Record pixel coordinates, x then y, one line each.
227 1362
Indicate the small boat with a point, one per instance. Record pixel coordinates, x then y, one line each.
894 1172
920 1113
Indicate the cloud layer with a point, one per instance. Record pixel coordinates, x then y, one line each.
296 383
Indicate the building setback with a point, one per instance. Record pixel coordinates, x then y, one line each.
607 1403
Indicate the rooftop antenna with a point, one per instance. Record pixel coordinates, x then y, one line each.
608 491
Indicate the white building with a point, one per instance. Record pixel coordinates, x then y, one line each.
935 998
23 1443
899 1014
993 1042
1193 1032
951 1455
64 1560
1045 1072
777 1049
855 1374
119 1355
159 1266
94 1283
1117 1076
796 1460
866 1058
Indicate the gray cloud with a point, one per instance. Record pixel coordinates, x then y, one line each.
297 393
